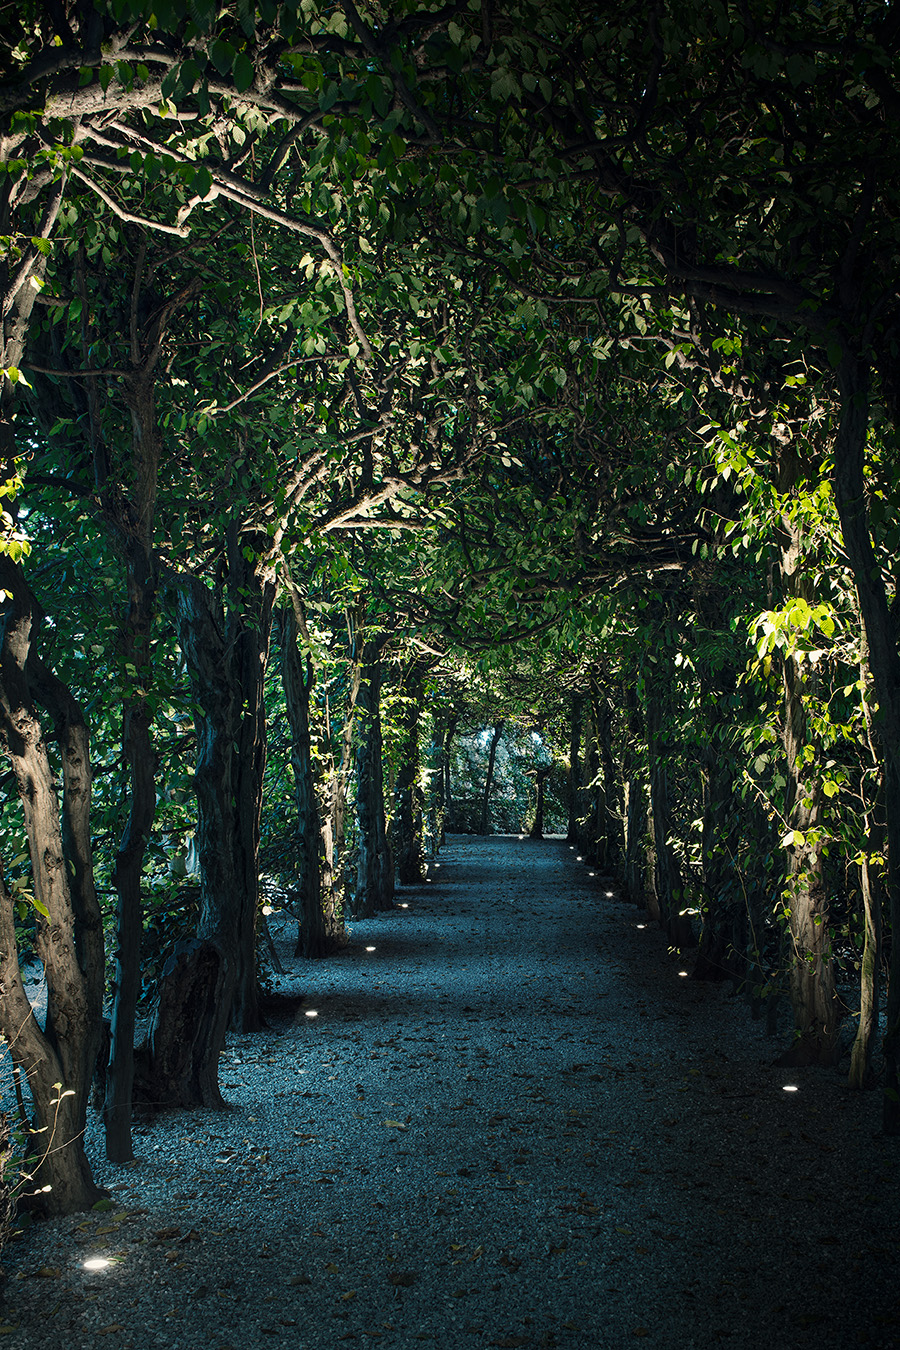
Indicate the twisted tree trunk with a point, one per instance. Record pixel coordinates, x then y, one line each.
58 1062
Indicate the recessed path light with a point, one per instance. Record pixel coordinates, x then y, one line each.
311 1012
370 949
97 1263
790 1087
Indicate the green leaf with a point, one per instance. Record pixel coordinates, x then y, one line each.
222 55
243 72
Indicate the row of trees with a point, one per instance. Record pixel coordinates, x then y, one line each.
376 336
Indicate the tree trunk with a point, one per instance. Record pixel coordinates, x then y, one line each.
489 776
225 643
861 1071
537 829
134 529
884 662
139 755
575 723
635 806
69 928
812 984
375 867
669 885
226 648
316 937
446 796
610 816
410 826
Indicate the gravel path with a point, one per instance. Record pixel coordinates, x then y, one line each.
510 1123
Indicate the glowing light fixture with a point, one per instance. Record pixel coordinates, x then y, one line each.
609 894
682 972
311 1012
641 925
790 1087
404 906
370 949
97 1263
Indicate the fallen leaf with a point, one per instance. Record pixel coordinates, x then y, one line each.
332 1268
351 1293
625 1230
48 1272
300 1279
641 1331
395 1124
402 1278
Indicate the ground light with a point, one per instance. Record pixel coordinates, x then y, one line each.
640 925
790 1087
682 972
310 1012
609 894
96 1263
370 949
404 906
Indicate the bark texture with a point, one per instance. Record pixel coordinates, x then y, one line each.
69 936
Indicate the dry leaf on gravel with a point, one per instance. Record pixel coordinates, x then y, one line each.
402 1278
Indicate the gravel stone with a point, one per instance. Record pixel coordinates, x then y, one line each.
513 1123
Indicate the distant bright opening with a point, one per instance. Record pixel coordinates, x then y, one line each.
97 1263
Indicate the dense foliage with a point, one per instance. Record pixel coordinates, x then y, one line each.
419 417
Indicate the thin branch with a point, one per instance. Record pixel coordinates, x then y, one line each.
127 215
